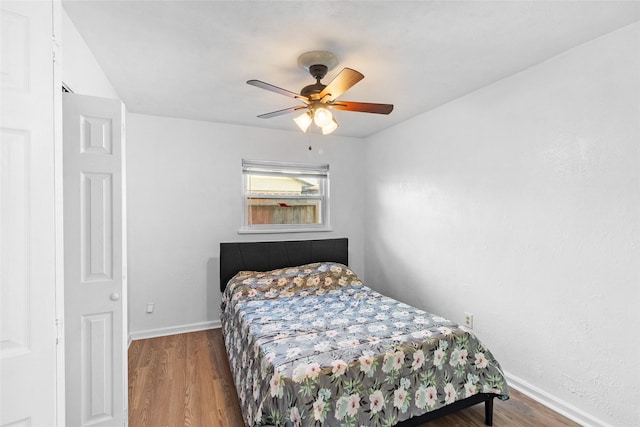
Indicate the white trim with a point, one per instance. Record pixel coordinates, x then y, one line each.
58 200
245 230
172 330
558 405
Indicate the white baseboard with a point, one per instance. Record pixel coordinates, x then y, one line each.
565 409
163 332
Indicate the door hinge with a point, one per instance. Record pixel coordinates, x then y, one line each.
59 331
56 51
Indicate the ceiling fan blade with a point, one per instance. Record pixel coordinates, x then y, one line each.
341 83
276 89
364 107
281 112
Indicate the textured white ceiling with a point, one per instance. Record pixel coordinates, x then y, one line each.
191 59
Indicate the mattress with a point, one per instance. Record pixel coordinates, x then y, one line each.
312 345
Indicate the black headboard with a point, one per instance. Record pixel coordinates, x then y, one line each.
265 256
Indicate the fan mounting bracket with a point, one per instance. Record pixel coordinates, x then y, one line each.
318 71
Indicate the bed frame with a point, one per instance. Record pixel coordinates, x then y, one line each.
265 256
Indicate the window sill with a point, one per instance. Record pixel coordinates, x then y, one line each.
284 230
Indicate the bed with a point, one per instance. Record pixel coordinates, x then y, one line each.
309 344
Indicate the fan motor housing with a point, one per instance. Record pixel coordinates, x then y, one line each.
312 91
318 71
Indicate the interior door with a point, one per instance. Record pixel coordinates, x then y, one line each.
94 241
28 337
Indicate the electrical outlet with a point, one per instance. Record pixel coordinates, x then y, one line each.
150 307
468 320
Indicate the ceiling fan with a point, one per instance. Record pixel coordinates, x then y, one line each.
320 99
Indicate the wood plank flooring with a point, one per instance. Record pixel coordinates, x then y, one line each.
184 380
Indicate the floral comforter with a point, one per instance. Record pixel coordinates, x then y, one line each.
311 345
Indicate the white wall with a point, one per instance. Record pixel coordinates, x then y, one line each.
184 198
80 70
520 204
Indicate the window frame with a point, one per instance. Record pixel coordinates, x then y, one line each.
286 169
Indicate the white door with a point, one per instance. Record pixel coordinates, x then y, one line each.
28 349
94 239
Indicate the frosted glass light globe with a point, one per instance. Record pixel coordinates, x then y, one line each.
322 117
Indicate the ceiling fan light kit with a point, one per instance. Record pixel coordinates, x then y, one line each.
322 116
330 127
318 98
303 121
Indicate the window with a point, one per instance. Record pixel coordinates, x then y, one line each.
284 197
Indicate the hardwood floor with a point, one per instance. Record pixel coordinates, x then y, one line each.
184 380
181 380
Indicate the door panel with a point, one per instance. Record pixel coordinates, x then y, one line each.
96 233
97 342
94 261
28 349
16 285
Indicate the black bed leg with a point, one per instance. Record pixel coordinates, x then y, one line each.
488 411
